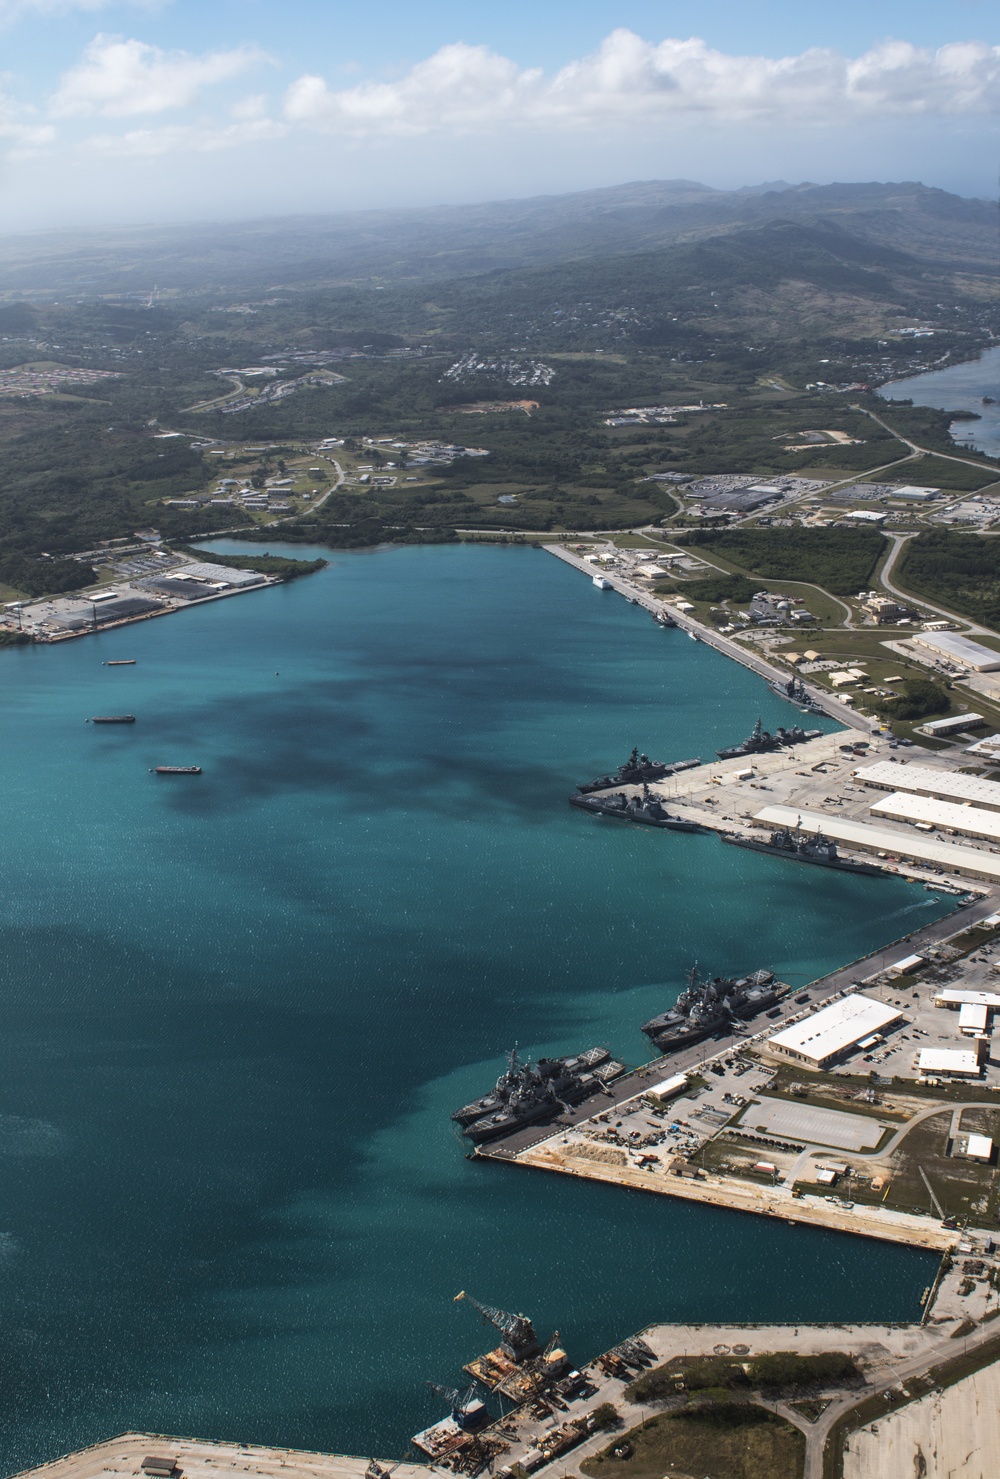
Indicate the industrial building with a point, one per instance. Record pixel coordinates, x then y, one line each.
670 1087
924 780
890 843
953 724
948 1062
824 1036
959 649
928 813
973 1020
954 1000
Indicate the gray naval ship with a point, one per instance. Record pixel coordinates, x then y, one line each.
761 742
637 769
646 808
796 693
528 1092
799 847
708 1006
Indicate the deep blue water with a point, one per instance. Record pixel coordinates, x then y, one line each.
959 388
236 1009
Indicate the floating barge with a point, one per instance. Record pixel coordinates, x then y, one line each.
176 770
112 719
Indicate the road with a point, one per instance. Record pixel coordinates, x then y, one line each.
898 542
916 448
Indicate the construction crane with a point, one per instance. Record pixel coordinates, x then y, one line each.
518 1334
466 1410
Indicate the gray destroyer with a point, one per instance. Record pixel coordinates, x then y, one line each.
709 1006
637 769
800 847
795 691
528 1092
647 809
761 742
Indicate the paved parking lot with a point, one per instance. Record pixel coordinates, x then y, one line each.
813 1125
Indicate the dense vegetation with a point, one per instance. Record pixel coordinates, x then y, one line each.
268 564
610 289
840 560
961 571
918 698
43 577
736 588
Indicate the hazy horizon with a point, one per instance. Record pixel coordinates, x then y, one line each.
165 112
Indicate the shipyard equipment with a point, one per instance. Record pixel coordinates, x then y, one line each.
467 1411
518 1338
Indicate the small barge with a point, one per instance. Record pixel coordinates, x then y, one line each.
112 719
119 662
176 770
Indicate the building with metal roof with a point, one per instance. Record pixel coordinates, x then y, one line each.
826 1035
927 811
959 649
927 780
948 1062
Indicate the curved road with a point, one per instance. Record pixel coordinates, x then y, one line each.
898 541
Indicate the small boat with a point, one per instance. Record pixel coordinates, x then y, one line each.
119 662
177 770
112 719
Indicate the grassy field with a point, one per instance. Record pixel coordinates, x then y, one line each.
726 1442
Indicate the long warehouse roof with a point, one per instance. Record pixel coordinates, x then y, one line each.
826 1033
924 780
953 857
971 820
973 654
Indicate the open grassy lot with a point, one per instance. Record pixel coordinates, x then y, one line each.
727 1442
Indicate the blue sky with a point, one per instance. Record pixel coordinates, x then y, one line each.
174 109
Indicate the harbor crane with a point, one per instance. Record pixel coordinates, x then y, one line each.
466 1409
518 1338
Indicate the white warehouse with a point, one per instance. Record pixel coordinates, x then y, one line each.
828 1034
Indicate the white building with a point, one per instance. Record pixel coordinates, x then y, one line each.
973 1020
959 649
828 1034
927 812
925 780
954 1000
948 1062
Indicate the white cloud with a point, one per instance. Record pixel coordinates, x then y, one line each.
118 78
629 80
20 136
186 138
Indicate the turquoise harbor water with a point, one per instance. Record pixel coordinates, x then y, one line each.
959 388
237 1009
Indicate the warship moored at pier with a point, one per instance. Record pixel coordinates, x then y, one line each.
636 769
801 847
795 691
528 1092
708 1006
647 809
761 742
